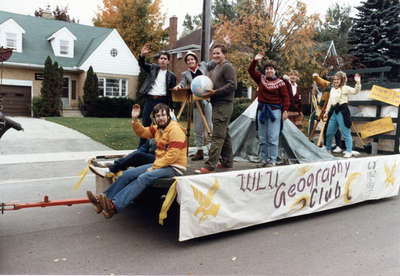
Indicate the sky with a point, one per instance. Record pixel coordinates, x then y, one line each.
85 10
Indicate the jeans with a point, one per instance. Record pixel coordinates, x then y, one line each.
134 159
133 182
149 104
335 121
268 134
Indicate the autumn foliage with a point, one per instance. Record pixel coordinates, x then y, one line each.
281 31
137 21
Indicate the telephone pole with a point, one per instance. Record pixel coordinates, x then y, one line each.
205 31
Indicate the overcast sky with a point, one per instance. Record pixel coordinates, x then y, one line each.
85 10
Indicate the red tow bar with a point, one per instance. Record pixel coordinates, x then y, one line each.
45 203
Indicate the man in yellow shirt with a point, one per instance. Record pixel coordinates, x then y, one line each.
170 161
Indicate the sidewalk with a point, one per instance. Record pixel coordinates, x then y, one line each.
45 141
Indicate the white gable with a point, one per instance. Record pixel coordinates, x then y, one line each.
112 57
11 34
62 43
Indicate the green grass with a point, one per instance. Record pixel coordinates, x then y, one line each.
115 133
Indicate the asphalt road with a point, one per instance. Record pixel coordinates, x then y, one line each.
362 239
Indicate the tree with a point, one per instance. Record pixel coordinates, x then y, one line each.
191 24
220 9
90 91
137 21
58 13
282 32
51 89
336 27
223 9
375 35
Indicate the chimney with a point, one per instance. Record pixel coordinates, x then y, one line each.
173 31
47 13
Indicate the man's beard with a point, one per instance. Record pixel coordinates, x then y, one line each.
162 126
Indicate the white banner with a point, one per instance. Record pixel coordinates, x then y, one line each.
219 202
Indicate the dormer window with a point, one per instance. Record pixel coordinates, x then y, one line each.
11 40
64 47
11 35
62 43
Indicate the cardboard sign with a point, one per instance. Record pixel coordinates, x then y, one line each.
376 127
385 95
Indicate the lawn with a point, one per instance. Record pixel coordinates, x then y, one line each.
115 133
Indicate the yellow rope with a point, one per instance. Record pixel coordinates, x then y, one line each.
169 199
83 173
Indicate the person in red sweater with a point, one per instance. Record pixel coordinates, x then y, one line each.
295 109
273 106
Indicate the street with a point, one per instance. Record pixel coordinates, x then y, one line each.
362 239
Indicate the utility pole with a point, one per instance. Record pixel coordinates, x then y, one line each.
205 31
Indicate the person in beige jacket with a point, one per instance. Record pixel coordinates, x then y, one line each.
337 112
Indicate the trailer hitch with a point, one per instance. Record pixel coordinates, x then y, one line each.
45 203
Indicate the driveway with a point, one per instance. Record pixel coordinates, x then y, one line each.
43 141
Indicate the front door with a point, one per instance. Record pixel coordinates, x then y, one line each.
65 92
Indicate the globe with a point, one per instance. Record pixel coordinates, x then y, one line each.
200 85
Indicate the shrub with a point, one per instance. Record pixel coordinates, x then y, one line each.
110 107
239 106
36 106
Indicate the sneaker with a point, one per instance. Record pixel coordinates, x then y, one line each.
347 154
198 156
337 150
204 170
99 171
94 199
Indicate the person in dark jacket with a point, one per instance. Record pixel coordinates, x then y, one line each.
295 109
157 85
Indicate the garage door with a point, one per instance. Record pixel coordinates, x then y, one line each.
15 100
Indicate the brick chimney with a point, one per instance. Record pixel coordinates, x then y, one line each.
173 31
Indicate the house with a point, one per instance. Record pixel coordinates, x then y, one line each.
75 47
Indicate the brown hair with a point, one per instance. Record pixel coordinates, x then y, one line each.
222 47
159 107
270 63
164 53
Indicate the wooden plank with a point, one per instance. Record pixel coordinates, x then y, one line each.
376 127
386 95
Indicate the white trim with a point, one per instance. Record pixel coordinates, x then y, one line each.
30 65
54 35
17 82
12 21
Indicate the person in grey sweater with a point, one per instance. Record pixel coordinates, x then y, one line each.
197 69
224 80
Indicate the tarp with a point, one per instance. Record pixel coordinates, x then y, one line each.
294 145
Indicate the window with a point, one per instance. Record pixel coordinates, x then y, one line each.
114 52
11 40
113 87
64 47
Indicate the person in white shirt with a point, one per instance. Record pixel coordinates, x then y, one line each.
337 112
156 87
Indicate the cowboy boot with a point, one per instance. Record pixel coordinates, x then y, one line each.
198 156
